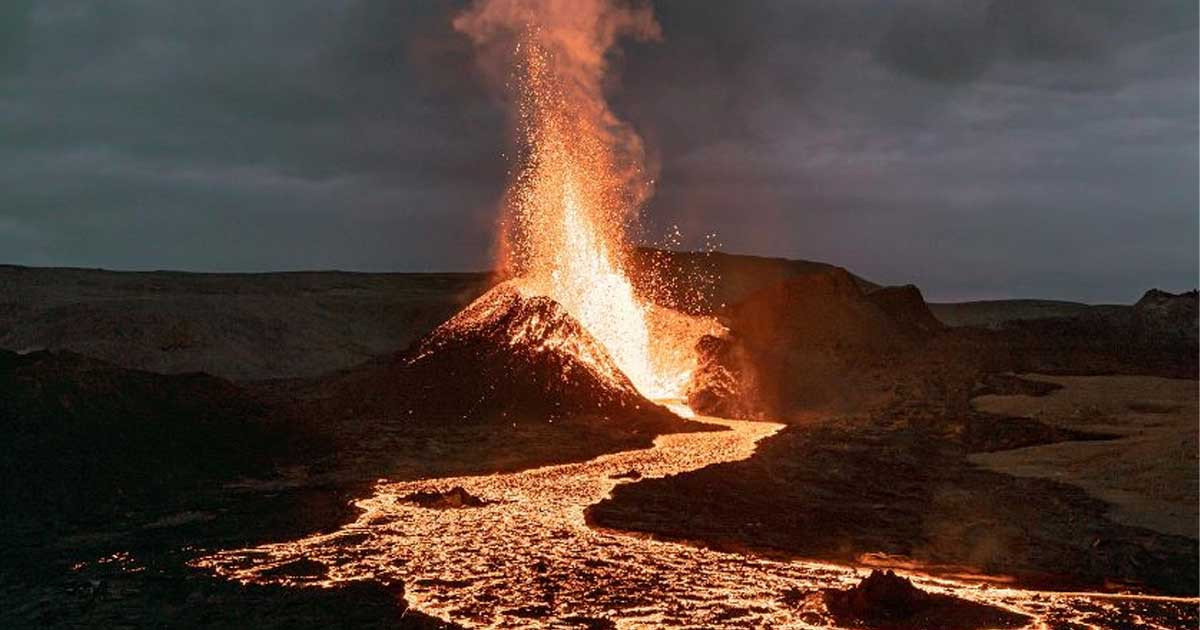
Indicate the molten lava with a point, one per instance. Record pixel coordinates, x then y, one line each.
565 231
515 551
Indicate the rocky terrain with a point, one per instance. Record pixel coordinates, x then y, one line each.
511 381
293 325
878 455
886 600
995 313
115 475
1145 472
236 326
131 461
154 467
818 341
706 282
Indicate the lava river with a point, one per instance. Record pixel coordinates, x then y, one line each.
528 559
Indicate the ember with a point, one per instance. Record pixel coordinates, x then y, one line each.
578 186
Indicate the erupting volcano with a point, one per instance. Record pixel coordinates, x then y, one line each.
589 432
577 188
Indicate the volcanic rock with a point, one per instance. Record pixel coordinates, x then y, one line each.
907 309
824 309
723 383
886 600
1158 335
85 437
994 314
239 326
880 596
456 497
809 341
702 283
304 568
510 356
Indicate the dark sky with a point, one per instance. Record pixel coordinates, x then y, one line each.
978 149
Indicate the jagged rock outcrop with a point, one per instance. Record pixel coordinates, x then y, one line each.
454 498
886 600
1157 335
723 383
907 308
807 342
1167 317
85 437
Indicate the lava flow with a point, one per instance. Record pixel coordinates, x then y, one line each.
524 556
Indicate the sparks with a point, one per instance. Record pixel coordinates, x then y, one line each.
566 233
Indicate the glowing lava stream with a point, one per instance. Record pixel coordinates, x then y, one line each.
530 560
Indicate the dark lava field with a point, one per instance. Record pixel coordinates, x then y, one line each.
153 420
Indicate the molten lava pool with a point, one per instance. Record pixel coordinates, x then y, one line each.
527 558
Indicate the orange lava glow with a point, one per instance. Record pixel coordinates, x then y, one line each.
529 559
525 556
565 232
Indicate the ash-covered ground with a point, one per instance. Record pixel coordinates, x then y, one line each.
910 439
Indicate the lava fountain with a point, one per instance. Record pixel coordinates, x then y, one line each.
579 182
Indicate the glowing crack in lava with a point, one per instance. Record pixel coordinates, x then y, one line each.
526 557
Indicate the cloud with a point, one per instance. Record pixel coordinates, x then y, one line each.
998 148
940 42
14 35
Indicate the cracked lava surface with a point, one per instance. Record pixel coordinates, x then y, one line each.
529 559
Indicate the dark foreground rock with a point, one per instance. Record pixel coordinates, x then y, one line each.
629 474
897 480
164 595
84 439
453 498
886 600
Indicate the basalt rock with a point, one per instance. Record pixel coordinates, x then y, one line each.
723 383
1167 317
812 341
1158 336
84 438
510 356
886 600
454 498
907 309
